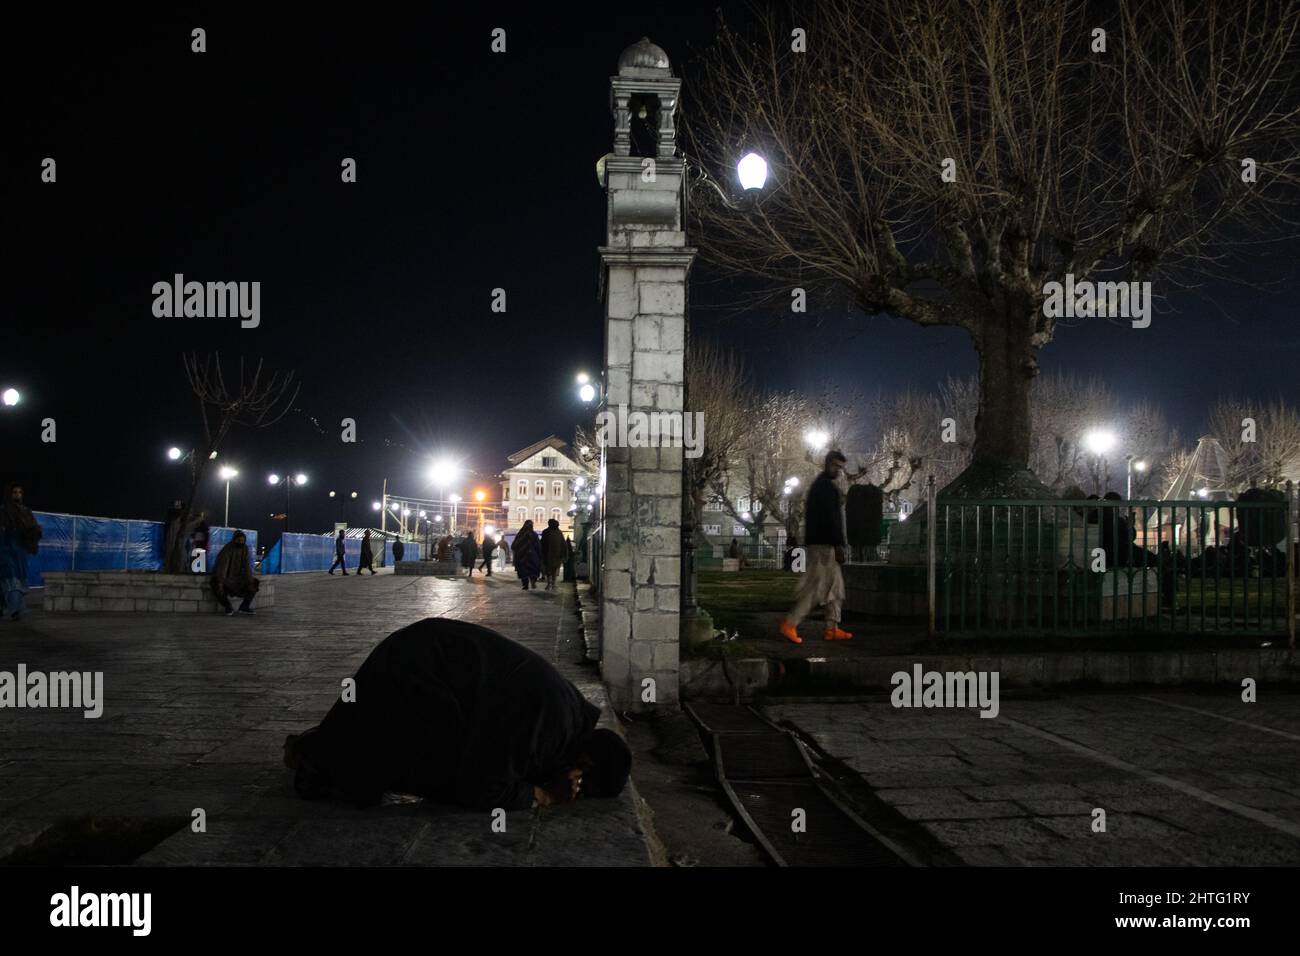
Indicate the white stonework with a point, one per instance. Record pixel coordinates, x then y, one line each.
646 264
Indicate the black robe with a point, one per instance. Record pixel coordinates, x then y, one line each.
455 713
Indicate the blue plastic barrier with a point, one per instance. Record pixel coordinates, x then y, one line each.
296 553
80 543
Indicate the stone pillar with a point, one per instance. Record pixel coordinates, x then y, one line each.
645 267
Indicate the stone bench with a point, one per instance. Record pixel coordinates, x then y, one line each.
731 564
138 591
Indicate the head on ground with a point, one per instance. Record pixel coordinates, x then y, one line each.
606 763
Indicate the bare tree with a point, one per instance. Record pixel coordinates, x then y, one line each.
254 400
1261 440
941 161
717 386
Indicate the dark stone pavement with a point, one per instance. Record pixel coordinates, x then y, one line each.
197 708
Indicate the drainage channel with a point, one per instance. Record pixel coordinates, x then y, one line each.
776 789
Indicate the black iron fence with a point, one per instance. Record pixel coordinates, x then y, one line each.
1108 565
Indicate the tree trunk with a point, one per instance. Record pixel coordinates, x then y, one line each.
999 466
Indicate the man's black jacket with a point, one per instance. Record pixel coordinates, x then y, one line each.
823 517
453 712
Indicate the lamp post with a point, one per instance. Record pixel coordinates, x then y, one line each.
442 473
1134 464
289 482
226 474
455 502
1099 441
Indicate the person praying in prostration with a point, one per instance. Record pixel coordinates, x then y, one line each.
459 714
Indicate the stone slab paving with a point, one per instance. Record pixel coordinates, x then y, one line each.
1185 779
196 711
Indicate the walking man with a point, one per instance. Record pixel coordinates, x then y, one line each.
468 553
339 554
489 546
824 545
367 554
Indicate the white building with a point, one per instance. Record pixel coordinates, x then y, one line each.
540 485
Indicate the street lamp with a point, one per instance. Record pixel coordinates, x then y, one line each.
11 396
442 473
455 500
1134 464
816 439
1099 441
289 482
226 474
174 453
752 171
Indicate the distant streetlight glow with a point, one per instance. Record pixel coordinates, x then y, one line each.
300 478
752 170
273 478
377 506
331 494
174 453
587 393
11 396
1139 465
1099 441
816 439
227 473
423 514
480 495
453 498
583 378
354 494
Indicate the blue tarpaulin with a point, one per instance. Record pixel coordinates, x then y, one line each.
79 543
295 553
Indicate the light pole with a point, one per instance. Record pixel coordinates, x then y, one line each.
1134 464
1099 441
455 502
289 482
226 474
442 473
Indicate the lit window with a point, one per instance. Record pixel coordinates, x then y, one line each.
522 516
557 489
540 490
539 516
555 513
523 490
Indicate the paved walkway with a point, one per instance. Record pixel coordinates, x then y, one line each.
197 708
1183 778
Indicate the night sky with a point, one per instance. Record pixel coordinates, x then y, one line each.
475 171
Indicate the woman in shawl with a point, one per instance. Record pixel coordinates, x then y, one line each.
554 552
468 553
527 550
20 535
232 576
367 554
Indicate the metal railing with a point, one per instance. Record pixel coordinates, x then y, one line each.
1109 566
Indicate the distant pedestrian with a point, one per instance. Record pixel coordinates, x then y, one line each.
232 576
444 548
734 550
553 552
527 550
489 546
824 550
20 535
399 549
367 554
340 555
468 553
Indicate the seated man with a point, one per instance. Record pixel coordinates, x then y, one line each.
232 576
459 714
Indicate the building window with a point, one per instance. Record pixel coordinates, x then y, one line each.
540 490
557 490
739 529
549 461
522 516
523 490
712 529
539 515
555 513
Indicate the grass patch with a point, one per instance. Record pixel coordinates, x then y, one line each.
744 600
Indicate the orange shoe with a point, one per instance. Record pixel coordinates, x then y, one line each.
789 633
835 634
